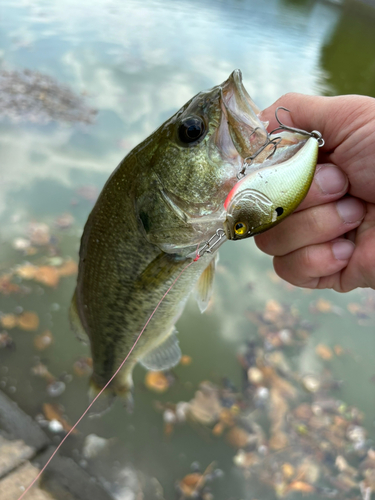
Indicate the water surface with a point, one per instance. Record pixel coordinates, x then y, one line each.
137 63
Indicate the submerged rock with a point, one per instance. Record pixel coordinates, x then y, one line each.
32 96
94 445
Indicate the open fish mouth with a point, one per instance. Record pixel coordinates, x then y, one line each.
240 115
241 133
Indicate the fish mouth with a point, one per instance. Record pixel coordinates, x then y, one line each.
241 132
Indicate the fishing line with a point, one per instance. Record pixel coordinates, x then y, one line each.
197 257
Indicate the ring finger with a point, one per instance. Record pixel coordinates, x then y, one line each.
312 226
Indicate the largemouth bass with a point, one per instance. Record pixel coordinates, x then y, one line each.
163 201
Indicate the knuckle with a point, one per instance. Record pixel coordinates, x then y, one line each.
306 260
315 222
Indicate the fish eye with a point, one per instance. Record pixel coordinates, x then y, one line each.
279 211
240 228
191 129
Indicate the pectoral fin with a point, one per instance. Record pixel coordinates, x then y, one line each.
163 356
204 287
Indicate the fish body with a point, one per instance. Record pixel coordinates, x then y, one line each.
164 199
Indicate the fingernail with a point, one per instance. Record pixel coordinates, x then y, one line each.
331 180
350 209
343 250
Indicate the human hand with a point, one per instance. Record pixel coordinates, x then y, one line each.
329 242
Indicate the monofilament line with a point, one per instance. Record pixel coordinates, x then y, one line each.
110 380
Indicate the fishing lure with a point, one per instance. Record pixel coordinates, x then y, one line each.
266 196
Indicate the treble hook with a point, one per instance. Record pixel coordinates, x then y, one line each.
315 133
275 141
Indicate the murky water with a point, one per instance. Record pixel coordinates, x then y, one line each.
136 63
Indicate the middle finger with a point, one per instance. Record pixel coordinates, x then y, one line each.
312 226
329 184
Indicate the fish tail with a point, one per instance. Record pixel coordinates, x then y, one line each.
106 400
126 395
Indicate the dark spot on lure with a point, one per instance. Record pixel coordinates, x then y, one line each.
279 211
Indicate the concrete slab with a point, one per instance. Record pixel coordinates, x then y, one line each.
13 485
66 480
18 425
13 454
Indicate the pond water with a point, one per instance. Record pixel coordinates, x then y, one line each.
136 63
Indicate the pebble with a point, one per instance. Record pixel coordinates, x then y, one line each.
93 446
55 426
310 383
169 417
56 388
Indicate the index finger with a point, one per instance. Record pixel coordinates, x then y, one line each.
334 117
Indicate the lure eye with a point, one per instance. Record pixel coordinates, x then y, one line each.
240 228
191 130
279 211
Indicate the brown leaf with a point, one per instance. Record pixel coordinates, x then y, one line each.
278 440
28 321
83 367
53 412
38 233
185 360
303 411
218 429
64 221
168 429
288 470
226 417
339 351
8 321
47 275
191 484
246 460
323 305
69 268
43 340
40 370
273 311
354 308
323 351
156 381
237 437
27 272
301 486
205 407
6 285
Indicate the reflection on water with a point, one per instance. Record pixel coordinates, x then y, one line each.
137 62
349 54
